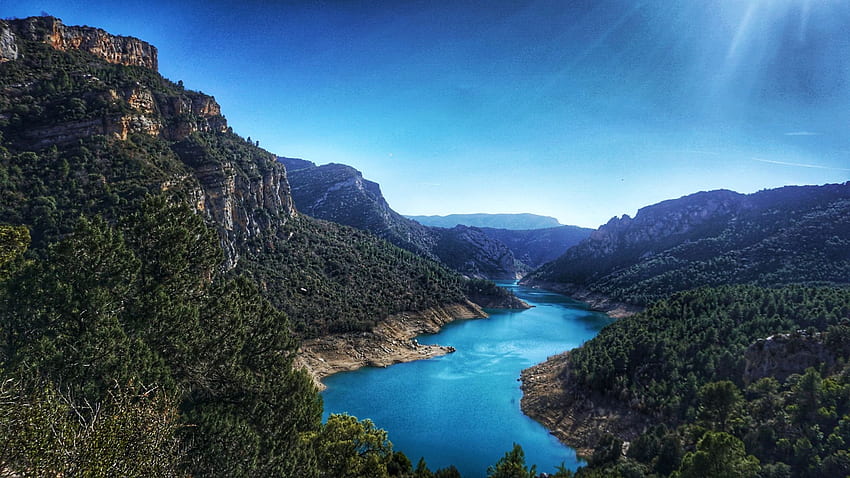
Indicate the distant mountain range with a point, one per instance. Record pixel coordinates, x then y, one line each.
339 193
795 234
523 221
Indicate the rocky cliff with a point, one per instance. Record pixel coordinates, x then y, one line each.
83 137
51 31
237 185
712 238
339 193
782 355
245 192
138 102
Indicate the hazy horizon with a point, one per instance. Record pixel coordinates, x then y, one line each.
578 110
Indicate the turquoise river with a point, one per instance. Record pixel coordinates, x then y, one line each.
463 409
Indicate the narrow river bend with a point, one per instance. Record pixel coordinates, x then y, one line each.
463 408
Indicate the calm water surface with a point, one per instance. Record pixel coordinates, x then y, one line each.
463 408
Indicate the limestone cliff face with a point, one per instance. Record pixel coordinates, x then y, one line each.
782 355
112 48
164 110
188 113
246 195
172 117
237 185
8 43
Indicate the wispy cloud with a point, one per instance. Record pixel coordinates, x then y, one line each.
802 133
799 165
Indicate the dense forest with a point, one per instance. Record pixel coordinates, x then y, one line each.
725 404
126 352
155 280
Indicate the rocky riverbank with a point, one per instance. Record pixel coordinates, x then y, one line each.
576 418
596 301
392 341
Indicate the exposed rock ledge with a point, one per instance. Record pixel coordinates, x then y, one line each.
597 301
392 341
576 418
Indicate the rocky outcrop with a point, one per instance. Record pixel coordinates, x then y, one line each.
112 48
189 113
781 355
167 111
8 43
339 193
247 199
154 116
392 341
576 418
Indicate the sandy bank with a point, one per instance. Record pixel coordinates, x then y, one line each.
392 341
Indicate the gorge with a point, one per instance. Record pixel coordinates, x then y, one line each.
156 263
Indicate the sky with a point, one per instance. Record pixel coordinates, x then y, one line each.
577 109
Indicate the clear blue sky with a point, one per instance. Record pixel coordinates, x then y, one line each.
581 109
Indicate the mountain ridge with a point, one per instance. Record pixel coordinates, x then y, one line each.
517 221
772 237
339 193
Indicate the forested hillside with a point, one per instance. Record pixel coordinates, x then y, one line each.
738 378
141 242
789 235
175 142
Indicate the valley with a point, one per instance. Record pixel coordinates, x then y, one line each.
216 309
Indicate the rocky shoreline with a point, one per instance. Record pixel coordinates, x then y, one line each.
576 418
392 341
597 302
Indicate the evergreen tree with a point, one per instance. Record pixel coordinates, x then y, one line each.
719 454
512 465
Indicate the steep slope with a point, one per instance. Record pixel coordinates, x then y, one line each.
339 193
85 134
766 366
536 247
517 222
787 235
